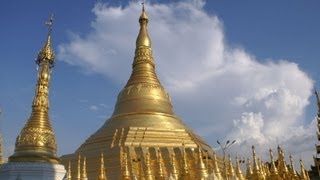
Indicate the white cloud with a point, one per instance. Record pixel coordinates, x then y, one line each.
220 91
94 108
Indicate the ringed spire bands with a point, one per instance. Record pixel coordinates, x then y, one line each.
36 141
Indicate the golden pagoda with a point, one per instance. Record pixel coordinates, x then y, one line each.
36 141
35 153
145 125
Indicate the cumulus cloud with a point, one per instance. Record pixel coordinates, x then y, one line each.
220 91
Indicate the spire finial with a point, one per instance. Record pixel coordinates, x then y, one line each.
143 37
46 53
49 23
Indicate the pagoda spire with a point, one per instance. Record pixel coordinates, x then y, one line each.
256 171
102 175
249 169
273 169
185 175
282 166
202 170
143 37
143 87
293 172
303 175
238 170
36 141
231 173
216 169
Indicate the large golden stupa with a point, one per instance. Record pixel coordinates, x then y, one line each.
143 138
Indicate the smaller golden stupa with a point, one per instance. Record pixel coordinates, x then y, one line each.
36 141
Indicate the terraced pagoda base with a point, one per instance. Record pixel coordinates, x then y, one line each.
31 171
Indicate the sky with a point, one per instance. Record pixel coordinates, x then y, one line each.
242 70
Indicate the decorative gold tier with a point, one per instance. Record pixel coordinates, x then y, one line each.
143 124
36 141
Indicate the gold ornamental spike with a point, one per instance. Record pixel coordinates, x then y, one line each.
273 169
102 174
148 173
69 171
216 167
256 171
84 170
238 170
36 141
160 166
125 167
185 175
79 168
303 175
249 170
174 172
293 172
282 165
202 170
230 168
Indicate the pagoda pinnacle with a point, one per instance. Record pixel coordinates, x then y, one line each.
36 141
143 37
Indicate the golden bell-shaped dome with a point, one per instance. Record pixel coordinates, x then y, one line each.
143 122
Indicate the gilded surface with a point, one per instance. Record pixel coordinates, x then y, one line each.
36 141
145 126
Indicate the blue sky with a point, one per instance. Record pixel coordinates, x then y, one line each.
279 40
